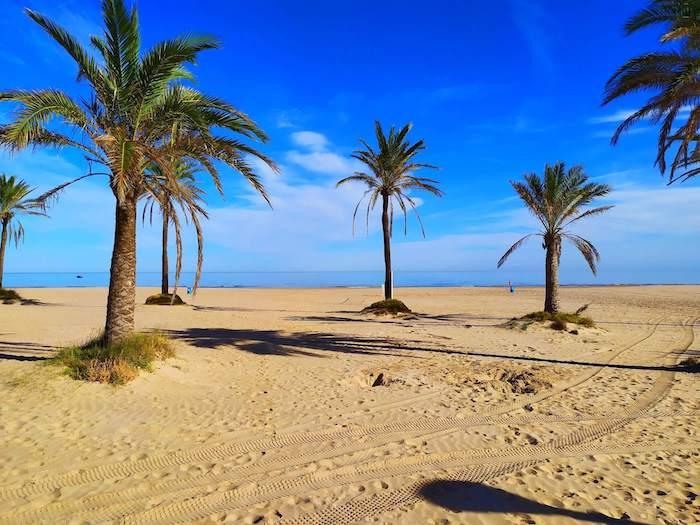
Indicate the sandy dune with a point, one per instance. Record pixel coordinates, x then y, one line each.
268 415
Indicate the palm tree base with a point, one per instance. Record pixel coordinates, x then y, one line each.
9 296
387 306
556 321
165 299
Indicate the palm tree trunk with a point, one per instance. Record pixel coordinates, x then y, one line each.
551 300
3 245
122 279
386 227
164 286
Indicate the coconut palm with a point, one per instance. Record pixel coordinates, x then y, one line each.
557 201
170 194
391 176
14 201
671 76
127 123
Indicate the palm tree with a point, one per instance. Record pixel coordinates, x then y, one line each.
390 178
170 193
127 124
557 202
14 201
671 76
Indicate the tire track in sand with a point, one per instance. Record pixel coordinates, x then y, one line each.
358 509
203 506
425 425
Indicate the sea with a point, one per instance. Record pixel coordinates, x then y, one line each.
316 279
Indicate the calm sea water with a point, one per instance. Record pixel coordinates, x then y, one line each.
328 279
260 279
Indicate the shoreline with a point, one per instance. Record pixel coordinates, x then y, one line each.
360 287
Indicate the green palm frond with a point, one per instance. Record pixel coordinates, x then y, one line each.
557 200
589 252
670 75
15 201
136 102
390 173
517 244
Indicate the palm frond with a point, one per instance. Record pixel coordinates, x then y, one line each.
589 252
517 244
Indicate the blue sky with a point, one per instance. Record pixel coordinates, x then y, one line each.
496 90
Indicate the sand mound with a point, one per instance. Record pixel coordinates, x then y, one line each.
164 299
387 307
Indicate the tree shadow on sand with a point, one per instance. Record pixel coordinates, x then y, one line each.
464 496
25 351
273 342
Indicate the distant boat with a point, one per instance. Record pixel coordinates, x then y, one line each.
78 276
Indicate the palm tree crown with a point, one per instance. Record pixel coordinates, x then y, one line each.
139 113
177 192
557 201
390 178
137 100
391 169
671 75
14 201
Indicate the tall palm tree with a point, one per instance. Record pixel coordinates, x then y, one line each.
170 194
126 124
391 176
14 201
557 201
671 76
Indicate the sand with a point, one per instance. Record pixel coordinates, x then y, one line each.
268 413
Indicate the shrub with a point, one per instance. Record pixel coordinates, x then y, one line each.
9 296
164 299
558 324
388 306
560 318
116 364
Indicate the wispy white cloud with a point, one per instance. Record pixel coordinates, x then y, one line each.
316 156
623 114
606 134
618 116
310 139
532 21
321 162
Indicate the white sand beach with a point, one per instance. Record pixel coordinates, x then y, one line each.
268 413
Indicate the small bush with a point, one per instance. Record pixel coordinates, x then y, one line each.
560 318
9 296
558 324
116 364
164 299
388 306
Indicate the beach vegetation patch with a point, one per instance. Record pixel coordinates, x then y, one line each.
556 321
9 296
117 363
165 299
387 306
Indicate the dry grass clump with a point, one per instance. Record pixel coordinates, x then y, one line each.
387 306
164 299
559 320
117 364
9 296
